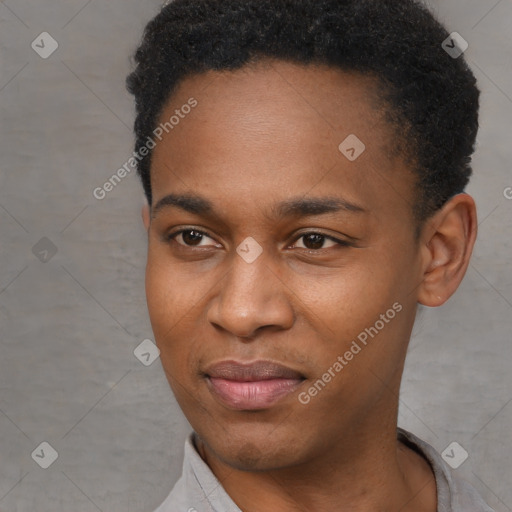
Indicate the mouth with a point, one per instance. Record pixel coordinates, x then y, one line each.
251 386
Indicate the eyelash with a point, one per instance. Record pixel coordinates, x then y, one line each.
171 236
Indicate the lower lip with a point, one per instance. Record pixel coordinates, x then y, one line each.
252 395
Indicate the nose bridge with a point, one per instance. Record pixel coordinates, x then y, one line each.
250 295
243 280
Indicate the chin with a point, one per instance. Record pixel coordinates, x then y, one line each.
261 451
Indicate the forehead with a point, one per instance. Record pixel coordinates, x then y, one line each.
277 126
259 95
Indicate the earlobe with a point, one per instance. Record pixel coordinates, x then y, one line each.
146 216
449 238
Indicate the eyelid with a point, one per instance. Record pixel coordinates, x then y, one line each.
167 237
325 235
342 243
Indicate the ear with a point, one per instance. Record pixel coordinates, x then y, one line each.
146 216
447 242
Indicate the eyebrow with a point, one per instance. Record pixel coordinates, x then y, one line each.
294 207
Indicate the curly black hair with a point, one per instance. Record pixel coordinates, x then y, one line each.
432 97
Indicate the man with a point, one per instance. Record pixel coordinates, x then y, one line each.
304 163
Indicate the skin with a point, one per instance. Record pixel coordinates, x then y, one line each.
260 135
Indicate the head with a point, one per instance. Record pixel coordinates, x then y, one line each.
305 164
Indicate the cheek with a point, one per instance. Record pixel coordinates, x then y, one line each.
170 334
348 300
173 299
167 307
169 293
158 296
363 313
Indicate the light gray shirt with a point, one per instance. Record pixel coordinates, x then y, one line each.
198 489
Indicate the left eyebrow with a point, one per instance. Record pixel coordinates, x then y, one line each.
303 207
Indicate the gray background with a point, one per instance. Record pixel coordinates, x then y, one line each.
69 325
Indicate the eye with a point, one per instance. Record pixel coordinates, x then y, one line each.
314 241
189 237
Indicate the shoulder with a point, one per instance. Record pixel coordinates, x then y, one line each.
176 499
467 498
453 494
181 495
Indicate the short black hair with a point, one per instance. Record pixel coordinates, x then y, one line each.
432 97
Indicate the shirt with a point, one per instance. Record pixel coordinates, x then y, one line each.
199 490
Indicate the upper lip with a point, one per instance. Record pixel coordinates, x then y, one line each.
254 371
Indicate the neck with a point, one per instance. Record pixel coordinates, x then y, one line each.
365 470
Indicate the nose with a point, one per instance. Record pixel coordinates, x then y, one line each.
251 296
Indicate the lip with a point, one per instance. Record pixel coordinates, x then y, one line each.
251 386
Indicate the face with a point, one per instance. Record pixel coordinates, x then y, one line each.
281 286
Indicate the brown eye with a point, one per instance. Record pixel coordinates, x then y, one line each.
314 241
190 237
